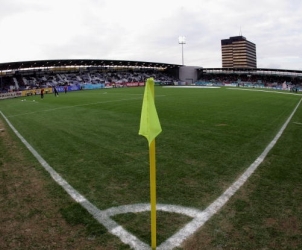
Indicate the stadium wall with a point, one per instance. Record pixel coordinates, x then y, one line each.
189 74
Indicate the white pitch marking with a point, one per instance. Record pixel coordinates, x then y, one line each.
79 105
199 217
99 215
191 87
213 208
259 90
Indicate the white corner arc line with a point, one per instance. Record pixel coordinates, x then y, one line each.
200 217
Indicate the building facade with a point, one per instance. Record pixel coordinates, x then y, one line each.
237 52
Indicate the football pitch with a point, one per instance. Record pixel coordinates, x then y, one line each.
209 138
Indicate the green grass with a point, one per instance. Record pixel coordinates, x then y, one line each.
209 137
266 212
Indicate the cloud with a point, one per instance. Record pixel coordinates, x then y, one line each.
149 30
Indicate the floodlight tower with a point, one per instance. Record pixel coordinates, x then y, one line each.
182 41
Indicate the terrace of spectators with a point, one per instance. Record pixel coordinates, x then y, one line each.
22 82
270 78
37 74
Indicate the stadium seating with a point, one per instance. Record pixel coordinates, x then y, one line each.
49 79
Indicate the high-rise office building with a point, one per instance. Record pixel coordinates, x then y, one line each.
237 52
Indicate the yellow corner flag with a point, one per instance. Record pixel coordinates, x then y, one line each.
150 128
149 125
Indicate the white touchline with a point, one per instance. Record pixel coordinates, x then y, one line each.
212 209
199 217
99 215
267 91
192 87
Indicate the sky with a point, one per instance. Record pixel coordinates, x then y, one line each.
140 30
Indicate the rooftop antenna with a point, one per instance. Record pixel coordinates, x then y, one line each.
240 32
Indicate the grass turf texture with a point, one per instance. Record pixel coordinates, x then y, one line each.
210 136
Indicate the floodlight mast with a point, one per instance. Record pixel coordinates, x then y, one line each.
182 41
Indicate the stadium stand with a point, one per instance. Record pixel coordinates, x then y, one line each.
47 79
18 76
257 78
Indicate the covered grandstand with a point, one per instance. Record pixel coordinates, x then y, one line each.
18 76
25 75
252 77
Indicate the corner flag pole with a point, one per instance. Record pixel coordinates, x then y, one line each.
153 193
150 127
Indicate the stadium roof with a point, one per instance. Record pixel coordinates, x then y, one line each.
81 62
253 71
47 64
